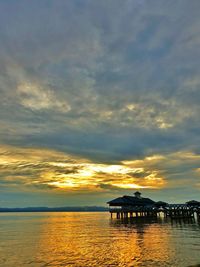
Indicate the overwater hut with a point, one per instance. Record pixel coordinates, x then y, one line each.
137 206
129 206
161 204
193 203
131 201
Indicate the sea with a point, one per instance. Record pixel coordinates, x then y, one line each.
94 239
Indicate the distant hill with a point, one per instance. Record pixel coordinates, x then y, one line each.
55 209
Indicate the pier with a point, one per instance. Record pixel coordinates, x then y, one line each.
137 207
133 212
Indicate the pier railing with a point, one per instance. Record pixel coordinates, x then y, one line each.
133 209
170 210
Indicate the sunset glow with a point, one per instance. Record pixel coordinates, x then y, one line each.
54 170
97 99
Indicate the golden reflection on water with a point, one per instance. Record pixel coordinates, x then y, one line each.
144 242
92 239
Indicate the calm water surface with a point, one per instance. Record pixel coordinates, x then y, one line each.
92 239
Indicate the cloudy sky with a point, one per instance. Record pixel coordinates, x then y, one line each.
99 99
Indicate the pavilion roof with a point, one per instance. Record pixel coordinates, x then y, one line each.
193 202
130 201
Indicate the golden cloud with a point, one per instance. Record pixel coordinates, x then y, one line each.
45 168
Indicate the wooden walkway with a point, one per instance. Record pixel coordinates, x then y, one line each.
173 211
133 212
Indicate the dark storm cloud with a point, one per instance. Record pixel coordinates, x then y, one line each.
105 80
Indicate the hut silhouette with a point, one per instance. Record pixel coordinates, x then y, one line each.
131 201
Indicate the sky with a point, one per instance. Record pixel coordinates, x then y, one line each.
99 99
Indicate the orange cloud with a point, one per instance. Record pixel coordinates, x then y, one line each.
34 167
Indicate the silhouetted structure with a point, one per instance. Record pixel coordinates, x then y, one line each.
132 206
161 204
193 203
130 201
137 206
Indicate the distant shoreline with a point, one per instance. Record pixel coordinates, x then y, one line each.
55 209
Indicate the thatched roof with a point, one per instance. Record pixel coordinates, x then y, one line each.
161 204
193 203
130 201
